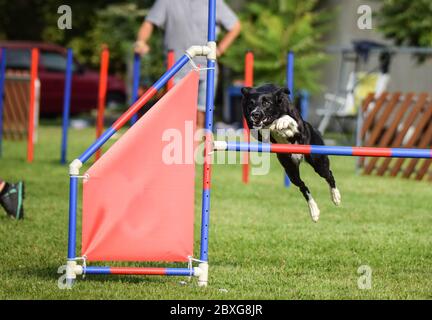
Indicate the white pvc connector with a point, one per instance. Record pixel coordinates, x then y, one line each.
220 145
197 271
203 274
198 51
212 55
74 167
73 269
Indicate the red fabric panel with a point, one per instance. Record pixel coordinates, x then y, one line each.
135 206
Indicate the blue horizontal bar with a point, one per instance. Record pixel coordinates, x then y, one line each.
168 271
332 150
179 272
411 153
97 270
249 147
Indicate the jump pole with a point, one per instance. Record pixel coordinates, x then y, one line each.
103 83
290 85
324 150
248 82
66 104
170 63
135 83
32 106
3 53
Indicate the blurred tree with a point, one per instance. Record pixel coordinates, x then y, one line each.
117 26
407 22
271 28
93 22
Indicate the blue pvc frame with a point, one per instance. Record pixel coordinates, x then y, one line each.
135 83
211 64
210 92
290 86
66 104
73 193
2 84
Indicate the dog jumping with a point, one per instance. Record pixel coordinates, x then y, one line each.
270 114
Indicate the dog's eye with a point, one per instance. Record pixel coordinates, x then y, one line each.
265 103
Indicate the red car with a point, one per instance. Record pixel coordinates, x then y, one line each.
52 65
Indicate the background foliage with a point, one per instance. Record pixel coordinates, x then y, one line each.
407 22
94 22
272 28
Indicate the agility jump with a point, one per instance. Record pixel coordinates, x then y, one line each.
153 219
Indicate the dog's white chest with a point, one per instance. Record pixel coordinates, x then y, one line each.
280 137
283 128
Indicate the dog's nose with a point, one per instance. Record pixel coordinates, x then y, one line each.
255 115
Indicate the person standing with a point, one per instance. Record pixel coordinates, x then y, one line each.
185 24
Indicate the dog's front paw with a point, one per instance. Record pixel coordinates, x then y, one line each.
286 122
313 210
335 196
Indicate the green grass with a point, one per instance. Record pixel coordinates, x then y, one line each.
263 244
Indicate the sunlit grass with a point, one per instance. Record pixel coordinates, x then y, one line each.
263 244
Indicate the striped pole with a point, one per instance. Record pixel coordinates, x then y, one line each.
248 82
3 53
32 107
324 150
170 63
66 104
290 85
135 83
103 83
140 271
205 212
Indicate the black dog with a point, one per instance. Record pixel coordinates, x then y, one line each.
269 107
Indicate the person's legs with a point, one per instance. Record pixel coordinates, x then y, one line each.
202 94
11 199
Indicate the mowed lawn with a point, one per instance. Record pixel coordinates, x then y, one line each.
263 244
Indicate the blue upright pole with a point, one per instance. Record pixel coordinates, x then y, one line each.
66 104
135 83
211 64
73 200
304 104
290 85
2 83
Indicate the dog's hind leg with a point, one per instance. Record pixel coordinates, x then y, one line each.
321 165
293 172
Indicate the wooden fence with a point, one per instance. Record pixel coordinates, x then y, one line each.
401 121
16 106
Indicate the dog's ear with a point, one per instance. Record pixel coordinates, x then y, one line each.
245 91
283 90
282 96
